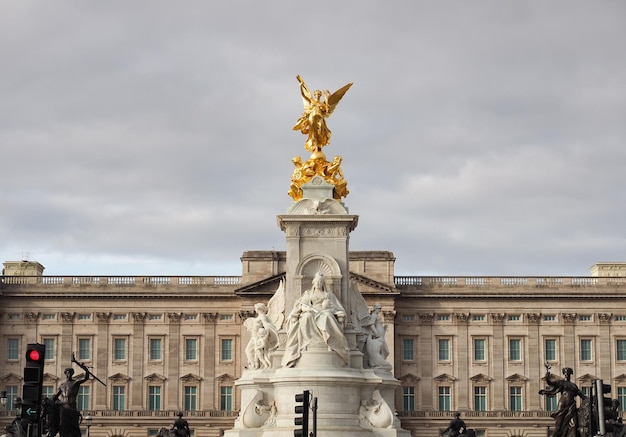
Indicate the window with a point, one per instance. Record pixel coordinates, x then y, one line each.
620 318
621 397
444 399
227 349
155 349
191 317
119 316
82 401
515 349
154 397
443 317
551 403
585 318
48 391
13 349
480 398
84 317
585 349
478 317
119 349
479 349
191 349
119 397
191 396
49 344
549 318
226 317
408 398
550 350
514 318
515 398
84 349
586 390
408 317
443 350
621 350
226 398
48 317
11 396
408 351
155 316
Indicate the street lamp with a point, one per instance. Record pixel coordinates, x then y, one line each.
3 398
88 422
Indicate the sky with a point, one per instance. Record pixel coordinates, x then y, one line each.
482 138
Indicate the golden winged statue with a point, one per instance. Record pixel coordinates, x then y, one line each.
317 107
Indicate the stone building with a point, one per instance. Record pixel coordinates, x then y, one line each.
477 345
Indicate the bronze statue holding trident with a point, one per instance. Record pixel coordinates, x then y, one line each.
318 106
66 401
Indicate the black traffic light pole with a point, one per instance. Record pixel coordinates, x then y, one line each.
31 392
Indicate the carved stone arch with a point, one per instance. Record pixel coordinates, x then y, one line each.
11 378
619 379
409 378
516 379
317 262
480 378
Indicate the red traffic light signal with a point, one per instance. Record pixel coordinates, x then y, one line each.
35 353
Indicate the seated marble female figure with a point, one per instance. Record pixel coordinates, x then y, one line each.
316 319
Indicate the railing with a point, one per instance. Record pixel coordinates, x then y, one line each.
145 413
124 281
404 282
501 413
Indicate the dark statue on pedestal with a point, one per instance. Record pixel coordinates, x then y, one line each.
566 423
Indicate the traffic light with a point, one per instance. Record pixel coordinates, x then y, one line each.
303 409
33 382
604 412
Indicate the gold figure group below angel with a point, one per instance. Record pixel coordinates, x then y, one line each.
317 107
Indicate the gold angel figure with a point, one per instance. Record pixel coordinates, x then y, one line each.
317 107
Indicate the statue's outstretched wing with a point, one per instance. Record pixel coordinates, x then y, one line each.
359 311
335 97
276 306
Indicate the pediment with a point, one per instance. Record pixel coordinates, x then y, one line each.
265 286
190 377
444 377
155 377
225 377
620 378
481 377
586 378
516 378
370 285
119 377
11 377
47 377
409 377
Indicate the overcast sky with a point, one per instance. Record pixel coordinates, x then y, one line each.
155 138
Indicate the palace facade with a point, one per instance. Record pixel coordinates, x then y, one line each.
161 344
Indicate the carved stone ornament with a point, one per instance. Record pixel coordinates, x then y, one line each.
175 317
67 317
533 317
569 317
155 377
190 377
31 317
119 377
462 317
389 316
497 317
138 317
426 318
376 412
210 317
104 317
604 317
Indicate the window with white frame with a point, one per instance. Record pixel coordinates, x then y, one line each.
191 349
443 349
226 398
155 349
154 397
13 349
119 397
82 401
49 344
84 349
408 398
586 349
408 349
621 397
620 349
119 349
226 349
480 398
11 396
191 398
549 349
515 398
515 349
480 349
444 398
